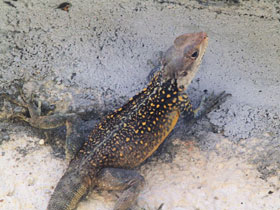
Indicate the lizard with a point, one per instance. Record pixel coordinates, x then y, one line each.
129 135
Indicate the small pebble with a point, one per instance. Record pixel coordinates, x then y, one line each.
42 142
30 181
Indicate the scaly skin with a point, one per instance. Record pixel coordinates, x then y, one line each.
128 136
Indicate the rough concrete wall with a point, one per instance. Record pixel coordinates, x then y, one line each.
94 57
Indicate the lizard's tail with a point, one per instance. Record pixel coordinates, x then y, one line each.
69 190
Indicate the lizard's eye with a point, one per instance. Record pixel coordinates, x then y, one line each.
184 73
195 54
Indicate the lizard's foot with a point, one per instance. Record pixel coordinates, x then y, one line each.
8 112
210 103
121 179
32 114
22 102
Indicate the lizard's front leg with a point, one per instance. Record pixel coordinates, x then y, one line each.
210 103
128 181
206 105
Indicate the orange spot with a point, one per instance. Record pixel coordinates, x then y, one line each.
185 96
162 100
144 123
168 96
136 131
180 98
175 92
127 139
141 142
174 119
121 154
158 105
152 104
174 100
149 129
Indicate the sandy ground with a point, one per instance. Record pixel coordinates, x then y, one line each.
94 57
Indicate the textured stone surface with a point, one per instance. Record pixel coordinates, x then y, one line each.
94 57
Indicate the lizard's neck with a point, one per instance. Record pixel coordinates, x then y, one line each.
159 82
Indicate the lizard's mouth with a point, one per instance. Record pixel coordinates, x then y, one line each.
204 43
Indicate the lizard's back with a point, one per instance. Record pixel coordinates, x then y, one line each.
128 136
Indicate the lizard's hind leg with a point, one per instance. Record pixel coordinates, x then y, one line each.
128 181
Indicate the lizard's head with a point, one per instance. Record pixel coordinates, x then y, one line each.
182 60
